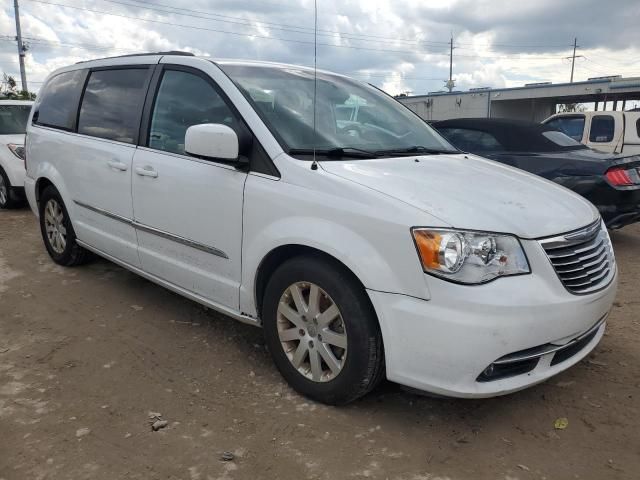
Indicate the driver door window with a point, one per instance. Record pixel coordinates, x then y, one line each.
183 100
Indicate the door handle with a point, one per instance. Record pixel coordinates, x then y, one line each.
117 165
146 171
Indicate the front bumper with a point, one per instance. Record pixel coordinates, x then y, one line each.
445 344
14 168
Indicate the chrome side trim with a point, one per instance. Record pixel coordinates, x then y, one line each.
155 231
113 216
179 239
174 288
548 348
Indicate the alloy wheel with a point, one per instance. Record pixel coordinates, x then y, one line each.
312 331
54 226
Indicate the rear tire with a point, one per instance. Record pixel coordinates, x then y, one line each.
57 232
315 312
8 198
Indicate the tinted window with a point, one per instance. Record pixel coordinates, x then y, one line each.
602 127
638 127
57 104
13 118
112 104
183 100
571 126
471 140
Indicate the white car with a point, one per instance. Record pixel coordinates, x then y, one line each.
361 256
13 123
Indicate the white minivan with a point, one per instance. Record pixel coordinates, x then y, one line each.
371 250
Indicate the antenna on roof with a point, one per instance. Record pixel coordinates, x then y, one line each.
314 164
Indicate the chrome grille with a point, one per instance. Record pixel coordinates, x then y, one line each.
583 259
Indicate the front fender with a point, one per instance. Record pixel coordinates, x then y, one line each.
383 266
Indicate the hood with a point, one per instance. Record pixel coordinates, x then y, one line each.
17 139
469 192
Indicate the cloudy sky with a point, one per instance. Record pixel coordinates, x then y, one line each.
399 45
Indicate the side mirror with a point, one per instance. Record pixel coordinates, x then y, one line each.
212 141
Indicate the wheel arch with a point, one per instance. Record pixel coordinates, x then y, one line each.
41 184
281 254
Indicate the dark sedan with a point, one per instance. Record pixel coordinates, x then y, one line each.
610 182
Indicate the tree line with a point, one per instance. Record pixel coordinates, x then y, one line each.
9 90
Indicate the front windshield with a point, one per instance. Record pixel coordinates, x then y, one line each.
349 114
13 119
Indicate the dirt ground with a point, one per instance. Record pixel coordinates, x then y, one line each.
86 354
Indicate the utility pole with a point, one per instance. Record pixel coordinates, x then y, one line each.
573 57
450 83
22 49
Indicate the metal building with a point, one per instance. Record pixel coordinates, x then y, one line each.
532 102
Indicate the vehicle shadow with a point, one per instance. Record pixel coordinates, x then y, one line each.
389 401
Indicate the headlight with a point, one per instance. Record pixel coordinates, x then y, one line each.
17 150
469 257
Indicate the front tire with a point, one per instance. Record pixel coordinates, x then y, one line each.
322 331
57 232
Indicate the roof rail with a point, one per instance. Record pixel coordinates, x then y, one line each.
171 52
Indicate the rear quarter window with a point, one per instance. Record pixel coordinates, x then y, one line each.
57 104
602 129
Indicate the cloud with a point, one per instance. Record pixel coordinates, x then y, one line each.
399 45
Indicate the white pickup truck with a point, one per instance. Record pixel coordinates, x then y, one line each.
613 132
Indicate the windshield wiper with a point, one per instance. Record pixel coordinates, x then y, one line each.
340 152
416 149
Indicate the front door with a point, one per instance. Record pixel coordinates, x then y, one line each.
188 211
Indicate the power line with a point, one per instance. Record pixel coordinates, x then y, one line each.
275 26
353 47
619 66
310 31
217 30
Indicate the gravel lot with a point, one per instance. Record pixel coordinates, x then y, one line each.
88 354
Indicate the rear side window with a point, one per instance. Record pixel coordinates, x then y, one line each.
572 126
57 104
602 127
112 104
471 140
183 100
638 127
